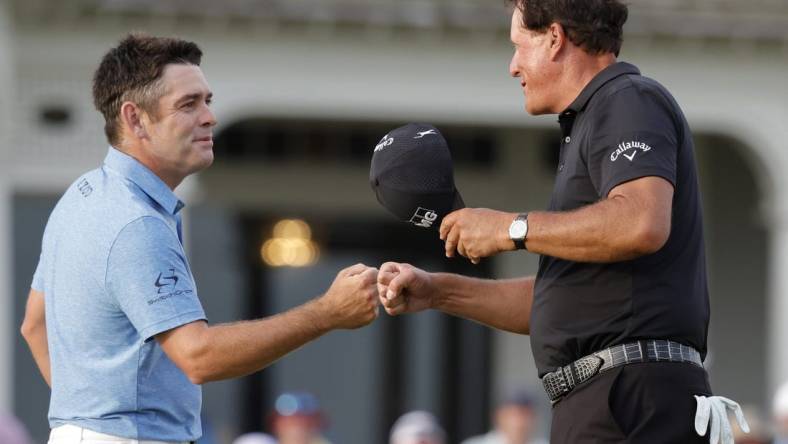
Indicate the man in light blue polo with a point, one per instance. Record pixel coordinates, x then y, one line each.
113 319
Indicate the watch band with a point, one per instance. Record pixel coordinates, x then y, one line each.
520 243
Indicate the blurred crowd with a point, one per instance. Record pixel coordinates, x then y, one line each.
297 418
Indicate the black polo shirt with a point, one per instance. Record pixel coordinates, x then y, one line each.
622 127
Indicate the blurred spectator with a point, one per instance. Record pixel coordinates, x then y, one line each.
780 414
759 433
417 427
12 431
514 422
255 438
298 419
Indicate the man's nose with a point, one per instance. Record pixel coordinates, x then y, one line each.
209 119
513 70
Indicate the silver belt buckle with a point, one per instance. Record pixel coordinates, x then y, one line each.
565 379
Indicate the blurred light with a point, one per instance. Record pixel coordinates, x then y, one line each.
290 246
286 405
292 228
297 403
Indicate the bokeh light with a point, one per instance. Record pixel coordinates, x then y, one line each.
291 245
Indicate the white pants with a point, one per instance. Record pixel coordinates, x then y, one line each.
71 434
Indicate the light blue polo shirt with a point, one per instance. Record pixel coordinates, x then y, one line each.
114 274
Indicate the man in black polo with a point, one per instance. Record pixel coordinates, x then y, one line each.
618 312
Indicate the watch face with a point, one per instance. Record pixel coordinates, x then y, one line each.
517 229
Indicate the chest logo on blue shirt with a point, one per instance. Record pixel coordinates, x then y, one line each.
163 282
623 147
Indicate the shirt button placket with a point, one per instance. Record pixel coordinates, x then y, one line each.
567 139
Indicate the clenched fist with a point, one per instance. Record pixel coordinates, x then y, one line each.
352 300
403 288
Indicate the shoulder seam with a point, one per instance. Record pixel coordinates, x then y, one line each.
629 84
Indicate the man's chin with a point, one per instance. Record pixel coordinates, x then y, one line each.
207 161
535 110
204 161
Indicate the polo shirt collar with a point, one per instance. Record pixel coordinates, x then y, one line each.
609 73
150 183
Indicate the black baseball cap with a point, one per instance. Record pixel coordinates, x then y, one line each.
413 177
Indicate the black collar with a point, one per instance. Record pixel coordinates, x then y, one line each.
604 76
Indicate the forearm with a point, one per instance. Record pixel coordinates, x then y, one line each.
238 349
36 339
501 304
608 231
34 330
206 353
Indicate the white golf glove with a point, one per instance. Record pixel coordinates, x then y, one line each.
714 410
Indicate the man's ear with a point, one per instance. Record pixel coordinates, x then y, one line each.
557 36
132 117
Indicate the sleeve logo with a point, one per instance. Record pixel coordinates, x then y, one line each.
628 150
165 285
163 282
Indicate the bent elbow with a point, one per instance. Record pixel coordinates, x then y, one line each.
523 331
522 328
195 372
202 372
196 377
189 347
196 367
649 239
29 329
25 332
193 360
518 328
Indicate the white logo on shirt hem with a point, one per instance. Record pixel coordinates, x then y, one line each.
623 147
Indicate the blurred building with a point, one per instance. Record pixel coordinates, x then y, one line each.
303 91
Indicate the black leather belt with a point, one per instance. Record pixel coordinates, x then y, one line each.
566 378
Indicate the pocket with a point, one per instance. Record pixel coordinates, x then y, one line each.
613 395
583 416
652 403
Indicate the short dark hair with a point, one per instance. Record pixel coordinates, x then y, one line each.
131 72
594 25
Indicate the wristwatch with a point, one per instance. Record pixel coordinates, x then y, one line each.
518 230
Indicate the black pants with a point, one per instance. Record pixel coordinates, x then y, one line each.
634 404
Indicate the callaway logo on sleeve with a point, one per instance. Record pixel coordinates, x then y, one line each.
628 150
